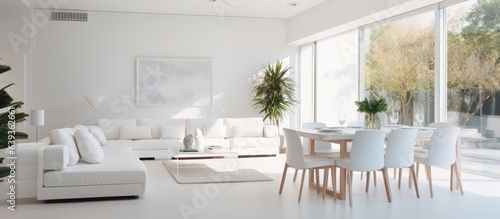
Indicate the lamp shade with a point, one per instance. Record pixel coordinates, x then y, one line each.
37 117
94 101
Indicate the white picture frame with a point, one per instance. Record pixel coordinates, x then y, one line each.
174 82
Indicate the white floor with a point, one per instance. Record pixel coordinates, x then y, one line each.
165 198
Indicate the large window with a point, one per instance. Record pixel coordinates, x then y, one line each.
399 66
306 83
473 69
337 78
436 64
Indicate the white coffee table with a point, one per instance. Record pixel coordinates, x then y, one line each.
220 160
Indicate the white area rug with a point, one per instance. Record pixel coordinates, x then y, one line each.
200 173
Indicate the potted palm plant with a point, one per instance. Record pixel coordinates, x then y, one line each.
274 92
7 135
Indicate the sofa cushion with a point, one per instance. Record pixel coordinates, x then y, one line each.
88 146
271 131
98 134
156 125
111 127
214 131
247 131
254 142
133 132
173 131
243 122
193 124
145 144
111 171
62 137
155 144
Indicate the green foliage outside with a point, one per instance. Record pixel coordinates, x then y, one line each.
400 61
9 120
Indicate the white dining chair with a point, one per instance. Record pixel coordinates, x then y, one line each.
296 159
442 152
321 148
367 155
423 146
399 153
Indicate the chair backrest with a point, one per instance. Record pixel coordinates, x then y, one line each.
367 152
294 152
443 146
317 144
441 125
399 150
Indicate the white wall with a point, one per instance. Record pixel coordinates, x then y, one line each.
337 16
97 57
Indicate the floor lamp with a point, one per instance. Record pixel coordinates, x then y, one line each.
94 101
37 119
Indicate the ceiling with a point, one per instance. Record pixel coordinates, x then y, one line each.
235 8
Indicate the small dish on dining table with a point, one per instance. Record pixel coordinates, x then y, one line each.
331 130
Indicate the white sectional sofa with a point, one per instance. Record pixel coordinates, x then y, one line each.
55 170
151 138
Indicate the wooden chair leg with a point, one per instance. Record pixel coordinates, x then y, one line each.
394 176
295 175
367 181
412 176
429 177
386 183
317 179
349 181
283 178
325 182
334 182
400 175
451 178
418 166
459 180
375 178
302 183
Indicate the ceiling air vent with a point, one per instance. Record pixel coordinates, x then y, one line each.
68 16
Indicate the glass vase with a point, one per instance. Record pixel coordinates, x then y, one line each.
372 121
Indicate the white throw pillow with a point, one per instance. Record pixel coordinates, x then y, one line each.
128 132
246 122
62 137
111 127
82 127
214 131
156 125
173 131
98 134
89 147
242 131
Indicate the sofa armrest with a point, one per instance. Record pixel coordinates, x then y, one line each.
54 157
271 131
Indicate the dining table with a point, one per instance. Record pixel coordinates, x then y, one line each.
342 136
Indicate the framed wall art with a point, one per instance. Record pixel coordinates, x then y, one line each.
174 82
